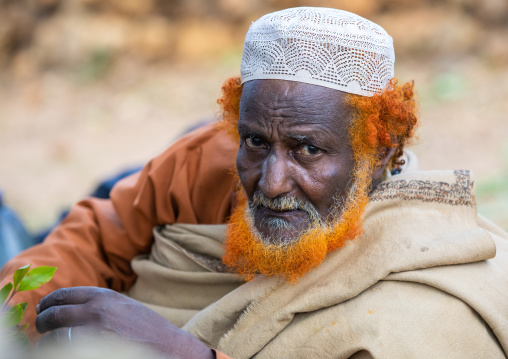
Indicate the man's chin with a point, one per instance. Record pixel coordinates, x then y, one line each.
278 236
278 227
250 254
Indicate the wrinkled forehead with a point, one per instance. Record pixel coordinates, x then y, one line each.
294 104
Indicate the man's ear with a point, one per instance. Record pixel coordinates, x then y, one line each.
384 156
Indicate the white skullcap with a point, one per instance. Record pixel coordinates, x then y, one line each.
320 46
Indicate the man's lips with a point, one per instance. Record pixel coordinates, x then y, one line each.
288 215
298 221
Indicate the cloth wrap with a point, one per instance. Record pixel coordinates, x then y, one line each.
423 281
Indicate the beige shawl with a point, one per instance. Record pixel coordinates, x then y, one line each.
423 281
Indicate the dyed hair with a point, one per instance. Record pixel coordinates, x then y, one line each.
230 106
386 120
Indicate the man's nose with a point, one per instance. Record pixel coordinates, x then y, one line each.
275 178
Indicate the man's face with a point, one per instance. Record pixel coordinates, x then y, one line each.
294 144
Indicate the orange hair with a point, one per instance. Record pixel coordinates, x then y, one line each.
248 256
230 106
387 119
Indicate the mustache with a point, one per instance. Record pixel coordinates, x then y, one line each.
285 203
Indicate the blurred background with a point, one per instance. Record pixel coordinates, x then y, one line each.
89 88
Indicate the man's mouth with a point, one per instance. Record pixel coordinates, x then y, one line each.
286 214
281 219
282 224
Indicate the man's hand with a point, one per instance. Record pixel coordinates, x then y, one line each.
103 310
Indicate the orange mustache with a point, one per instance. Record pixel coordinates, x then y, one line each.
249 255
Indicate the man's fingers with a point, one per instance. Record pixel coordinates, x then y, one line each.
65 296
70 335
52 338
61 316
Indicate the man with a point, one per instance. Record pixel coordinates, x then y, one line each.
347 249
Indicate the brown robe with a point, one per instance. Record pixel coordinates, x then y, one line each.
190 182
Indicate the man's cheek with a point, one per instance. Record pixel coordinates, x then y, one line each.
247 172
242 159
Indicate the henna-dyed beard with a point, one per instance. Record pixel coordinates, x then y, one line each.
249 254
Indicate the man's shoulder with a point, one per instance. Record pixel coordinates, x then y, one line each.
450 187
207 147
209 136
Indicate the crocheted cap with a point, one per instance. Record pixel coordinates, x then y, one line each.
320 46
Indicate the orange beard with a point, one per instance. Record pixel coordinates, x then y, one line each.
248 254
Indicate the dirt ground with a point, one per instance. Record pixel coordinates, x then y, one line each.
61 134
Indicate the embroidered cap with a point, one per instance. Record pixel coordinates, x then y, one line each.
320 46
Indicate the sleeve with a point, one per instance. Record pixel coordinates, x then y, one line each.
191 182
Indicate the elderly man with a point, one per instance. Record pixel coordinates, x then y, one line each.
336 245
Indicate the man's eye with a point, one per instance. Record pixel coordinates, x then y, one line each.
254 142
309 150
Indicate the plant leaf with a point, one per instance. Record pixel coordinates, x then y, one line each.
36 278
14 316
4 292
16 338
19 274
20 338
23 327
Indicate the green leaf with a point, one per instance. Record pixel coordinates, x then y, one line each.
21 338
19 274
36 278
16 338
23 327
14 316
4 292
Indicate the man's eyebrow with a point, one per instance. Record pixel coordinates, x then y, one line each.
242 127
312 136
300 138
246 129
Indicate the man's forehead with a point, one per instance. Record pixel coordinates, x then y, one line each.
296 106
316 132
291 93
